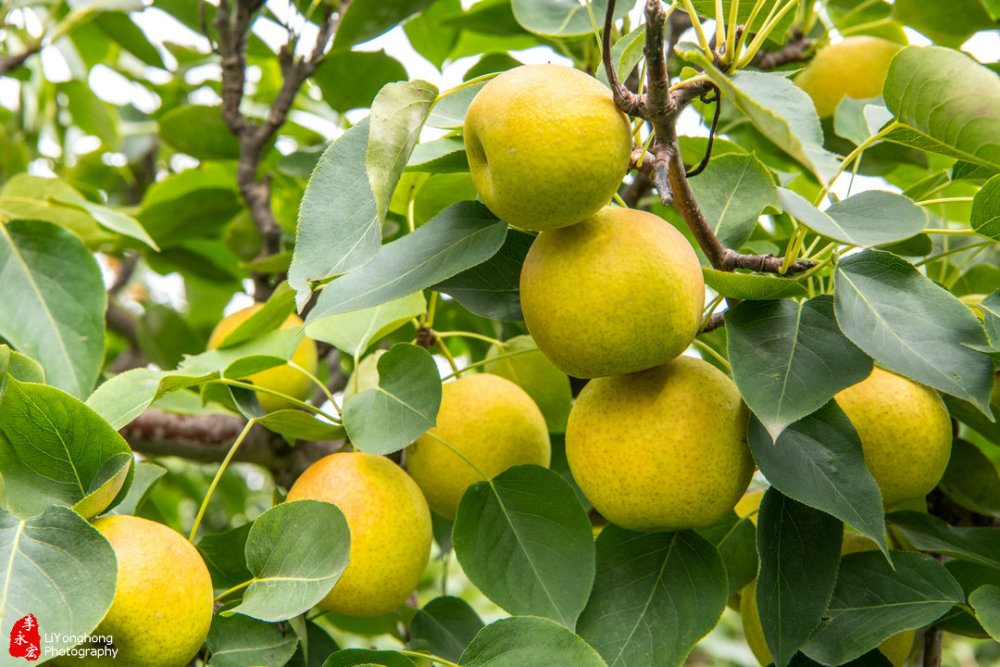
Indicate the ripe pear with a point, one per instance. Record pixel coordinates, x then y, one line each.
905 432
533 372
285 379
547 146
664 449
855 67
618 293
390 528
163 601
749 505
492 422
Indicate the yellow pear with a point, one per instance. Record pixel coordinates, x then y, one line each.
855 67
664 449
163 601
546 145
620 292
390 528
285 379
905 432
749 505
492 422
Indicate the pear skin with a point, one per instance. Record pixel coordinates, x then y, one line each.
855 67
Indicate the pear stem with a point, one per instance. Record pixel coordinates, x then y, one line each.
218 476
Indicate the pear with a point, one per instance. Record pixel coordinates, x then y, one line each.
618 293
492 422
390 528
664 449
547 146
905 432
855 67
532 371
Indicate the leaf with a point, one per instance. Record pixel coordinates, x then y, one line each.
460 237
936 115
397 114
524 540
949 25
200 132
441 156
225 556
866 219
818 461
111 219
353 332
238 641
986 601
858 120
789 358
528 641
929 533
655 596
911 325
300 425
548 386
27 197
625 53
54 302
294 566
972 479
120 28
752 286
402 408
352 79
144 477
991 317
339 228
106 485
444 627
449 111
58 568
780 110
917 591
18 366
196 203
365 19
562 18
799 551
90 113
492 289
53 449
127 395
735 540
367 658
985 218
733 191
314 648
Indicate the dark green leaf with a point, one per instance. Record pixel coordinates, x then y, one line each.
361 657
866 219
351 79
54 302
200 132
656 595
991 317
986 601
314 648
365 19
971 479
462 236
799 551
986 209
733 191
300 425
402 408
819 461
492 288
912 326
224 554
929 533
445 626
784 354
918 591
735 540
528 641
238 641
121 28
562 18
752 286
526 543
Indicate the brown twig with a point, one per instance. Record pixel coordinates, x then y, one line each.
714 322
12 62
932 647
795 51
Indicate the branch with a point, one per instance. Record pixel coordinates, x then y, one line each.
10 63
932 647
626 100
714 322
792 52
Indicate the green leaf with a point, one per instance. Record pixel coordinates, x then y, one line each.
655 596
706 8
90 113
985 217
53 310
799 551
53 449
268 318
366 19
625 53
562 18
58 568
353 332
547 385
781 111
735 540
294 566
108 482
225 556
917 591
986 601
929 533
912 326
445 626
449 112
528 641
429 35
238 641
947 24
935 114
125 396
27 197
460 237
441 156
526 543
314 648
120 28
200 132
339 228
782 353
866 219
751 286
492 289
818 461
300 425
362 657
111 219
397 114
733 191
352 79
972 479
859 120
143 479
194 204
18 366
991 317
402 408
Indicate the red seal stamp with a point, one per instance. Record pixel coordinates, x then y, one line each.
25 641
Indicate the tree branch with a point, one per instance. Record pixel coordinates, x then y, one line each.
793 52
932 647
10 63
626 100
